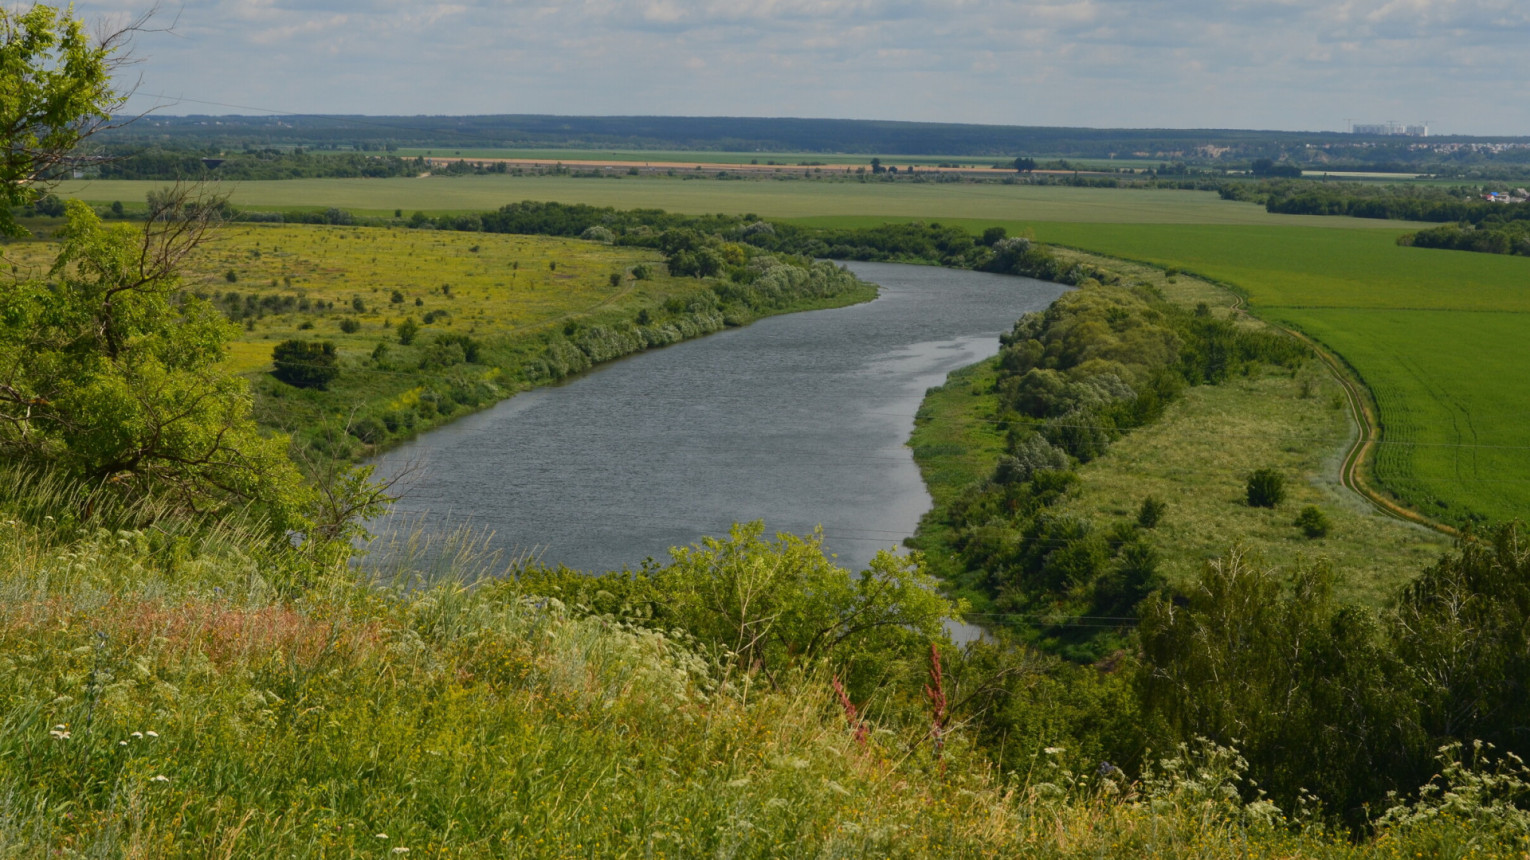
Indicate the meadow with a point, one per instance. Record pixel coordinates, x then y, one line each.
472 284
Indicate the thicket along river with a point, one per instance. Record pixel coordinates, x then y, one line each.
798 420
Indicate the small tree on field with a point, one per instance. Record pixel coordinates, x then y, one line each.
305 364
407 331
1312 522
1150 514
1266 488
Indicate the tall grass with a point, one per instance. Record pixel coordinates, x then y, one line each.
168 692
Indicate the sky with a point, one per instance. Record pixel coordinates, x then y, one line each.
1461 65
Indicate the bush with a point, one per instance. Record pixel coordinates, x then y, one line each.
1312 522
407 330
350 325
1150 514
305 364
1266 488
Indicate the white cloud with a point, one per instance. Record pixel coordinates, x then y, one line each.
1261 63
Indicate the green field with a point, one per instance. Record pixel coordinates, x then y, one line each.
1436 335
680 156
845 201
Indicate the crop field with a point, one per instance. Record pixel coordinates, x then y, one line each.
678 157
846 202
1438 337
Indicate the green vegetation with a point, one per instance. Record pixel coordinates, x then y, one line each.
1266 488
1433 336
1488 237
169 693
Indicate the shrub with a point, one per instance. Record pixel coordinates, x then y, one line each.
1266 488
350 325
407 330
1312 522
642 272
598 233
1150 514
305 364
358 305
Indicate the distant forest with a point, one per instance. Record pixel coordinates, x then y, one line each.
745 134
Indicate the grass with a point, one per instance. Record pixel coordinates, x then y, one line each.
181 697
495 285
1196 459
1435 335
846 202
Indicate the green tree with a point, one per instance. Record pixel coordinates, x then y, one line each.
111 374
408 330
305 364
57 91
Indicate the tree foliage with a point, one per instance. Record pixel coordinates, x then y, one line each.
55 90
305 364
109 372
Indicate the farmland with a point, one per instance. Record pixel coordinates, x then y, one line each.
848 202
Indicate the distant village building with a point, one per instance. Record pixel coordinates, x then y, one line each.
1391 128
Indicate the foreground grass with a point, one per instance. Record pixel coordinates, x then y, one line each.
183 697
1196 458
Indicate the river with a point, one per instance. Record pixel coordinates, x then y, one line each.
799 420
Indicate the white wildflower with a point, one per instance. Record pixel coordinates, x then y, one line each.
121 743
401 850
1054 750
382 836
160 778
137 735
152 734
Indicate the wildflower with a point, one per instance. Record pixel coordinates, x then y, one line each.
137 735
160 778
152 734
59 734
401 850
121 743
382 836
1053 750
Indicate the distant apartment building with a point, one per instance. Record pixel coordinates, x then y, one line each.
1391 128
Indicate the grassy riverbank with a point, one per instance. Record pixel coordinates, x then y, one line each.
1195 459
495 314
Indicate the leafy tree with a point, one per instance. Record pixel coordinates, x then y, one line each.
305 364
1024 164
57 91
408 330
111 374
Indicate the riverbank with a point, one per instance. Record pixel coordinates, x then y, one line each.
1194 459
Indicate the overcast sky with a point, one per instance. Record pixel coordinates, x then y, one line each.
1464 65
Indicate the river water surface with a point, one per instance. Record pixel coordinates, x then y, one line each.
799 420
